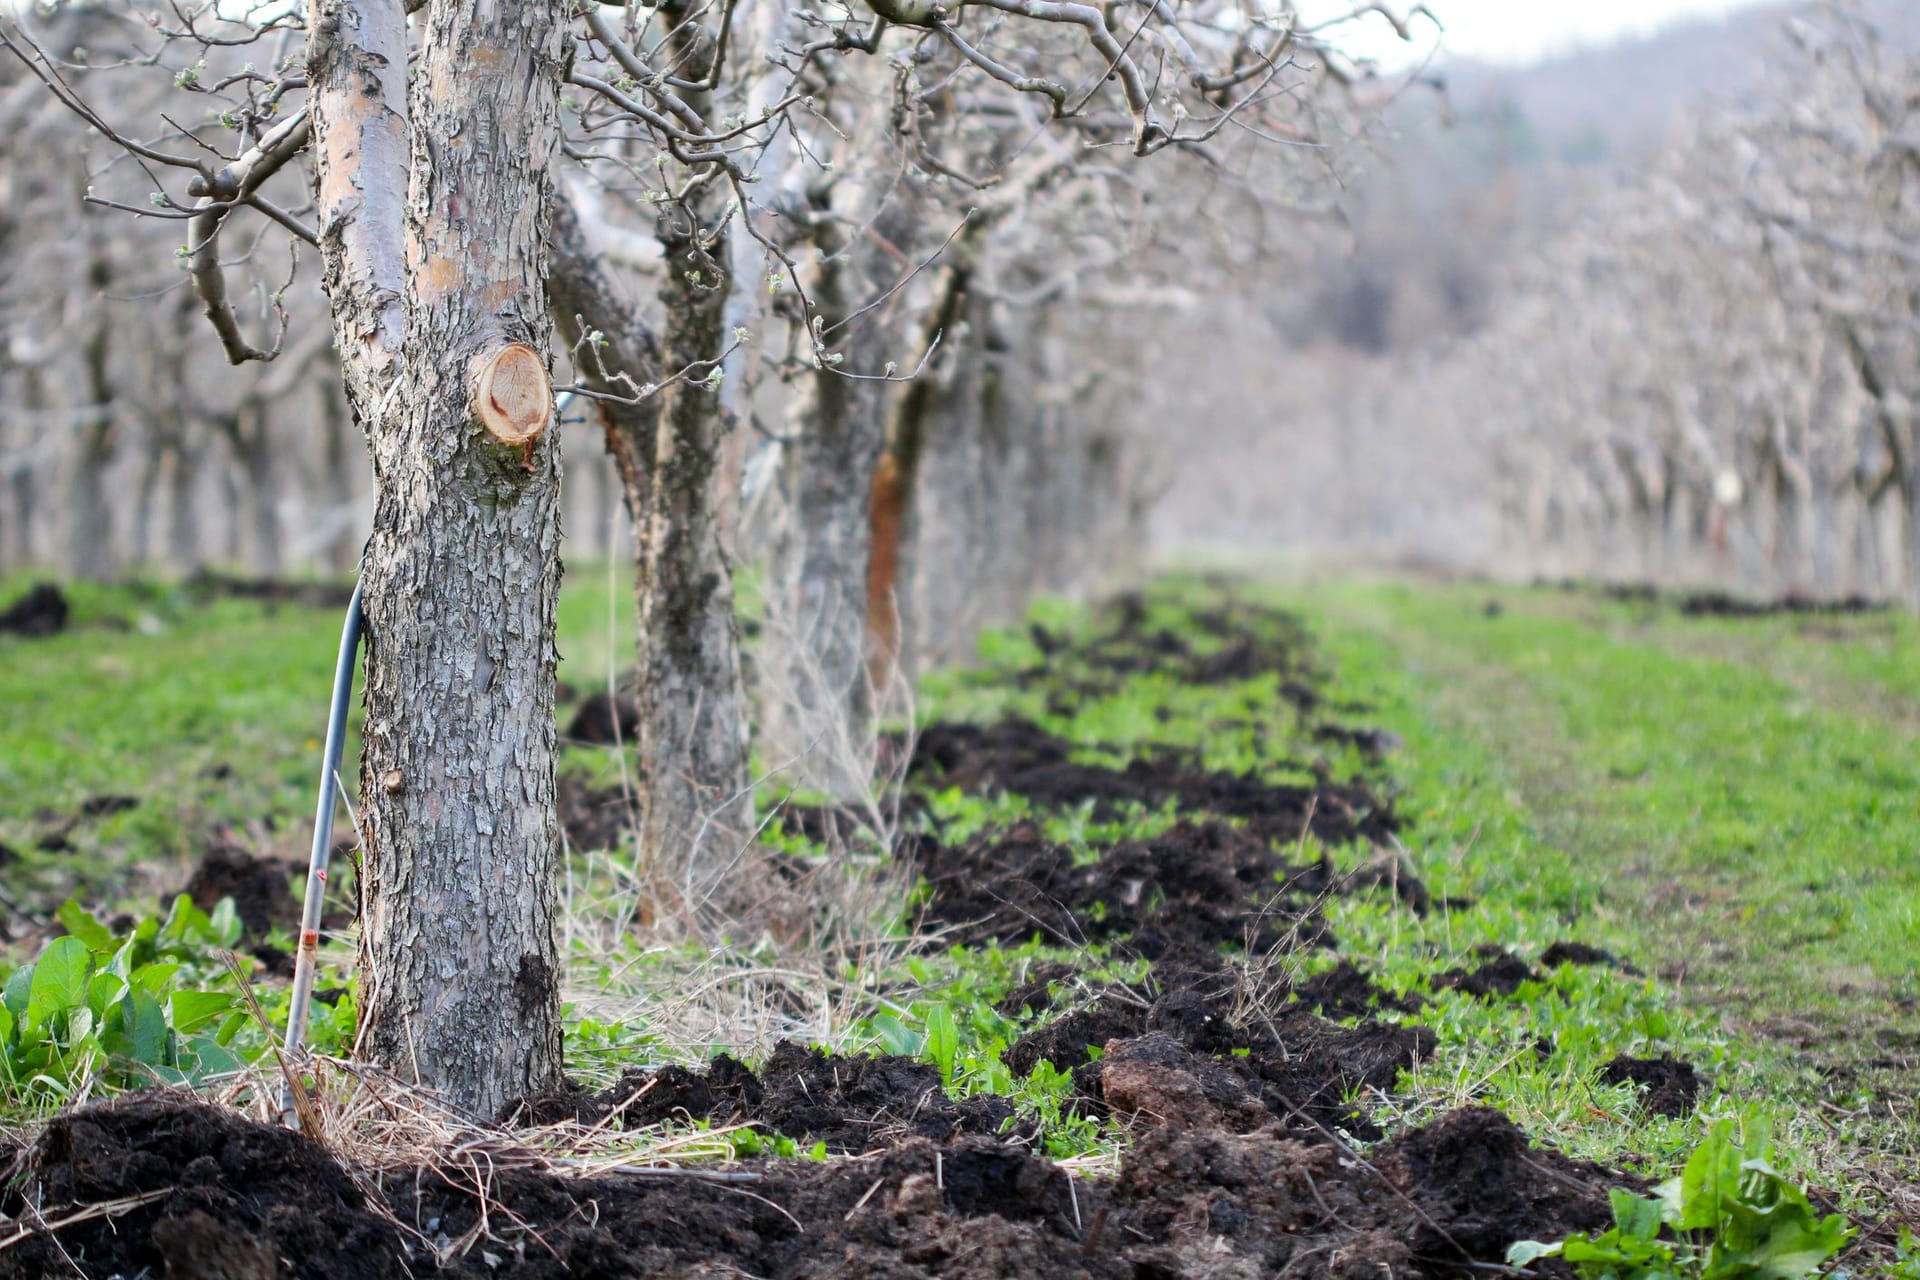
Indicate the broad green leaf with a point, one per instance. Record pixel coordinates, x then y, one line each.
1636 1215
16 992
1521 1252
153 978
60 979
84 925
203 1056
943 1040
1711 1179
184 921
893 1034
225 924
147 1029
191 1010
102 990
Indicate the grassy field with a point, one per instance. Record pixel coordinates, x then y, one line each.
1728 802
205 711
1726 805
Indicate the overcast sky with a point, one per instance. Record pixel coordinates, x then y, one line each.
1513 31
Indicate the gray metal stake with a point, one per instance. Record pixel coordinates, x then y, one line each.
306 956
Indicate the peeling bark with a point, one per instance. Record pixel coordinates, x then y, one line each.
895 478
460 579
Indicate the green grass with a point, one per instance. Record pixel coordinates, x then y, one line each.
1609 773
204 712
1725 803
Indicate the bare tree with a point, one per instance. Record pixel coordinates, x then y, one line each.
757 168
1703 376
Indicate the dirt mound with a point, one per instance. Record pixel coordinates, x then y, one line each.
1299 1083
1458 1191
1186 892
260 887
57 836
1374 744
193 1192
851 1104
1221 644
224 1197
593 818
313 595
1196 1051
1479 1185
1721 604
1500 974
1345 991
1579 953
1669 1087
1018 756
41 612
605 720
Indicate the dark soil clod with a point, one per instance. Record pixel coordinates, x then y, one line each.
1345 991
260 887
313 595
1196 1054
1184 893
1579 953
1720 604
1669 1087
41 612
228 1183
605 720
1019 757
105 806
852 1104
1501 974
218 1195
58 837
593 819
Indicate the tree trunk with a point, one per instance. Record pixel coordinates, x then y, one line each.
89 532
817 703
946 514
697 800
183 519
256 454
22 478
140 542
336 463
1910 531
457 777
895 478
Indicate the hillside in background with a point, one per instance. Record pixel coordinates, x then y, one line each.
1482 160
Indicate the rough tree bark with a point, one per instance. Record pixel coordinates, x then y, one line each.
896 477
696 794
817 720
669 451
697 799
432 216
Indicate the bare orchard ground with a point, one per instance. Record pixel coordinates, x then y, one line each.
1225 930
